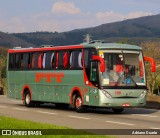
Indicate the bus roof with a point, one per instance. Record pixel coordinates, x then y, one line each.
83 45
111 46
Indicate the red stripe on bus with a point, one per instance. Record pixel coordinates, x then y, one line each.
45 49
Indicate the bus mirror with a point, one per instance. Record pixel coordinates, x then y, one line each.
152 63
102 62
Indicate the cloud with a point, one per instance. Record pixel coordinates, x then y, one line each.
137 14
108 17
65 7
14 24
46 21
49 25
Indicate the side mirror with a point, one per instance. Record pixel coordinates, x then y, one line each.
102 62
152 62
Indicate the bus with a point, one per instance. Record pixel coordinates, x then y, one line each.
94 74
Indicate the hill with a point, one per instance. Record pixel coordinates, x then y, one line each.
9 40
135 30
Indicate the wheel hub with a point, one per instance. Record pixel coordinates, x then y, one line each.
28 99
78 102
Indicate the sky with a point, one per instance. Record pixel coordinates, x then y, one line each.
18 16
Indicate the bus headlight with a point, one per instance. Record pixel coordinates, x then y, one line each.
143 94
106 94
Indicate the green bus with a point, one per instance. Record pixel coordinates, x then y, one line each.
95 74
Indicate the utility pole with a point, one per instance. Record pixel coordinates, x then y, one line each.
87 38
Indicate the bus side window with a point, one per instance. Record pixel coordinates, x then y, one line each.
26 60
52 64
40 61
56 59
60 59
76 59
44 60
65 59
88 53
12 61
29 60
48 59
71 60
34 61
86 60
18 61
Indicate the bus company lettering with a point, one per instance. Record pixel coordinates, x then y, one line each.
48 76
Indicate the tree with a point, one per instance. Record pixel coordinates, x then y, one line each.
152 49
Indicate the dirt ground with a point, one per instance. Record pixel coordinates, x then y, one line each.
153 102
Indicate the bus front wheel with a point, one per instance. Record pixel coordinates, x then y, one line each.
27 100
117 110
78 104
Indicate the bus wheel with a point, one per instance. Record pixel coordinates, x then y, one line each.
27 100
117 110
78 104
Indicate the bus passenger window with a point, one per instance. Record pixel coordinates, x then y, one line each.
21 62
34 61
61 59
65 60
12 61
88 53
40 61
26 60
52 60
75 59
44 60
80 59
57 59
18 62
48 60
70 60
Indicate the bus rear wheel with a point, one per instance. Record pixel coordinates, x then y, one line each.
78 104
27 100
117 110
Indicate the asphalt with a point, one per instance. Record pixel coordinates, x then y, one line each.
133 118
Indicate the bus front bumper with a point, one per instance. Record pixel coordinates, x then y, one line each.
122 102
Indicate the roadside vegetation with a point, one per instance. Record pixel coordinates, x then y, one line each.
152 49
3 62
11 123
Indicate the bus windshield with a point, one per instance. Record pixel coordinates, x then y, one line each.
123 68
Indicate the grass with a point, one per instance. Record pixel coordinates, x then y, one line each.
12 123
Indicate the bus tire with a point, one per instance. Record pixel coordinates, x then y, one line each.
27 100
117 110
78 104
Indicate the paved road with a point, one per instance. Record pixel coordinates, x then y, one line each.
135 118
